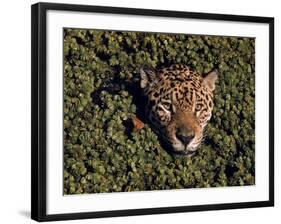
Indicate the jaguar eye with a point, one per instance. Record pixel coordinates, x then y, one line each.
198 107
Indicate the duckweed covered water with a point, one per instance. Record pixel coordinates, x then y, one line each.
103 153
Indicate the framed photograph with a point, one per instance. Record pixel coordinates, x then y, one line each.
140 111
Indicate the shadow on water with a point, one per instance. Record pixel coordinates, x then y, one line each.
115 85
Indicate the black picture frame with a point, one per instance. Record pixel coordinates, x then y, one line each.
38 108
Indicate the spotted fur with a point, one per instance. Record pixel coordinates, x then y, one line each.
179 104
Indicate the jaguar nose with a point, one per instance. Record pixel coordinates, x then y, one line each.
185 139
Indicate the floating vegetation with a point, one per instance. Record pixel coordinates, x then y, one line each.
104 152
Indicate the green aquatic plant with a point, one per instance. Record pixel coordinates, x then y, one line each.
103 153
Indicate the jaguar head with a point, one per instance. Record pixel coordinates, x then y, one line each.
179 104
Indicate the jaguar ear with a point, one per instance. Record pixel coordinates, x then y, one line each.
147 75
210 80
